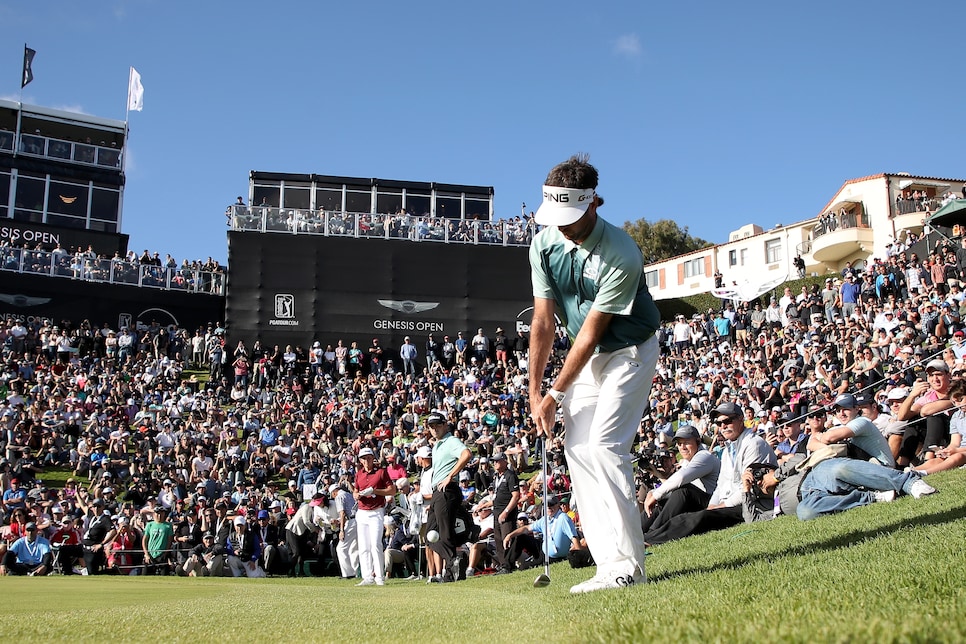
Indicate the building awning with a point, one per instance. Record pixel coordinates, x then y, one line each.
848 204
929 183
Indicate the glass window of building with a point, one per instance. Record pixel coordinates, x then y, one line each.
773 251
652 279
477 209
417 204
110 157
389 200
104 203
358 198
328 196
105 226
694 267
84 153
4 193
29 198
269 195
297 196
68 199
449 205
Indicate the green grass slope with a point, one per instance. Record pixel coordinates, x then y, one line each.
883 573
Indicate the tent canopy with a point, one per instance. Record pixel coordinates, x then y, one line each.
952 213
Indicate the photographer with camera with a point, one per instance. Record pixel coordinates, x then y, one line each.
687 490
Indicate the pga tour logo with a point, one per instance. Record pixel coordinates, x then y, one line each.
284 305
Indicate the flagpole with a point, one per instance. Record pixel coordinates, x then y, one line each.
22 76
127 103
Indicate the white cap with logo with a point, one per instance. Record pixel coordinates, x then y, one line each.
563 206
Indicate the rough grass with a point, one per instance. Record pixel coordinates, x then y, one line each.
884 573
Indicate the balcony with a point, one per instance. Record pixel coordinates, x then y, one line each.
110 271
71 151
516 232
836 237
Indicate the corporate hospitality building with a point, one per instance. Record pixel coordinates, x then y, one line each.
61 240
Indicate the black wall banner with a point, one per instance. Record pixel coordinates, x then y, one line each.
22 233
75 300
295 289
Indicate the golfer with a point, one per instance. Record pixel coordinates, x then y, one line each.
590 272
450 456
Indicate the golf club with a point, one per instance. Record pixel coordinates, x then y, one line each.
544 579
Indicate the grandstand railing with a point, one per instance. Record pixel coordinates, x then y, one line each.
51 148
374 226
110 271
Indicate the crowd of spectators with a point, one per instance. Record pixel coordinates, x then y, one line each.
515 231
146 269
172 474
920 201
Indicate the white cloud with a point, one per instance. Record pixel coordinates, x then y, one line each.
76 109
628 46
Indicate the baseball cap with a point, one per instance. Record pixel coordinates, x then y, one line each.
333 488
728 409
424 452
239 520
864 399
845 401
30 526
499 456
263 514
937 365
435 418
563 206
687 432
366 451
899 393
402 481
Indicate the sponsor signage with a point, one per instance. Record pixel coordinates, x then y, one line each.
17 233
287 289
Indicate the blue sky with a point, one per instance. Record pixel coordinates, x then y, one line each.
712 114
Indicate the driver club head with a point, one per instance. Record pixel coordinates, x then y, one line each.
541 581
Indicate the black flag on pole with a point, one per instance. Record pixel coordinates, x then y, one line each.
28 59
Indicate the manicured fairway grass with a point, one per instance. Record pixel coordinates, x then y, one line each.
888 572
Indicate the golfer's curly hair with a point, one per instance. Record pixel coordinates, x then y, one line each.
575 172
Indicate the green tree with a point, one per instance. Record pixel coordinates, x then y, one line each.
662 239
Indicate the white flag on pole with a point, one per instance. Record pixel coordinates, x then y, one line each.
135 92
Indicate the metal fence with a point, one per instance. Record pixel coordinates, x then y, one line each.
515 232
111 271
